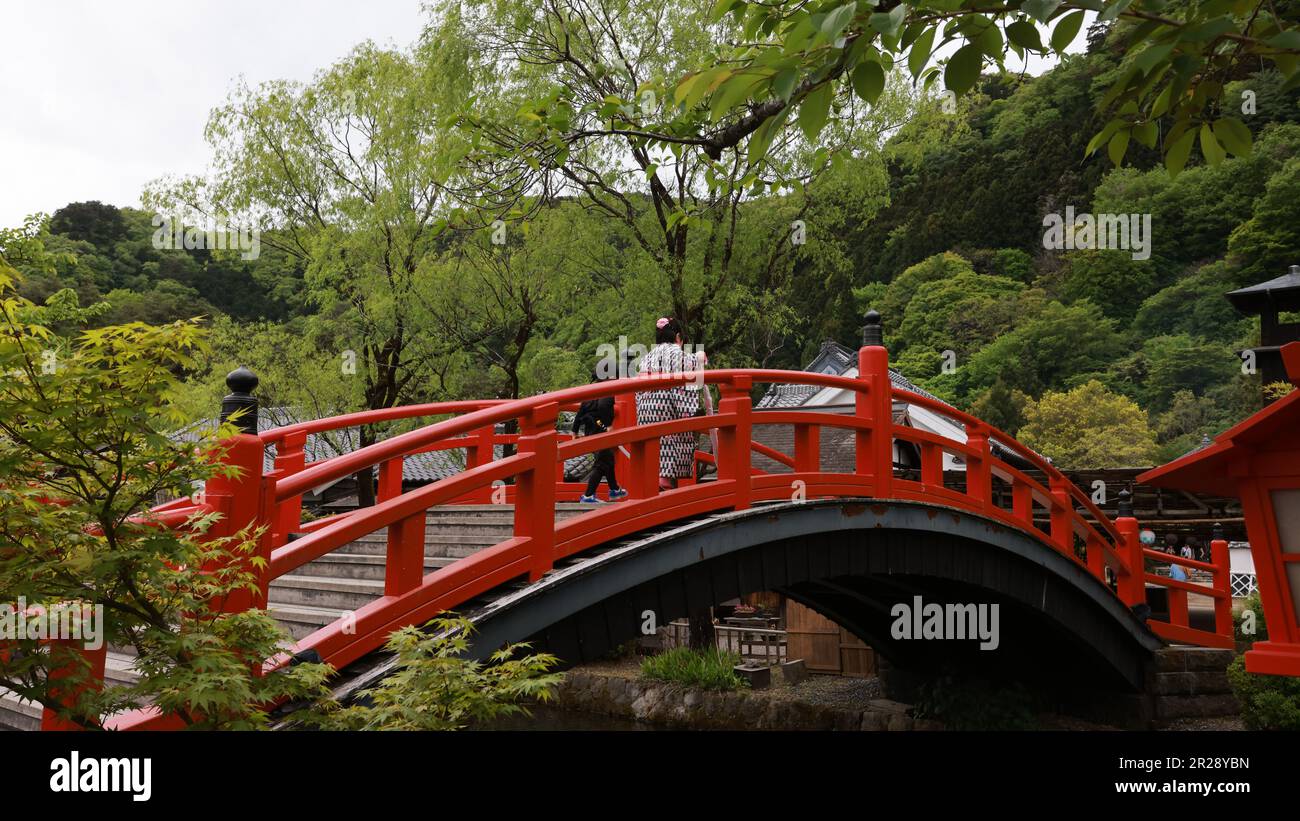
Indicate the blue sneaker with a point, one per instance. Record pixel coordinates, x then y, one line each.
615 495
589 500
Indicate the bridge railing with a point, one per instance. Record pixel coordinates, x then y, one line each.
1109 551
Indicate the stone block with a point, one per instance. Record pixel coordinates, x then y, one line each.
759 678
1206 706
874 721
793 672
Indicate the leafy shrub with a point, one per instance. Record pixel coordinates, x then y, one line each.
710 669
85 448
1253 604
975 704
1267 702
435 687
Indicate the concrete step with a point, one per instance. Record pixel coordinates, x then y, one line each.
302 620
19 714
458 545
321 591
359 565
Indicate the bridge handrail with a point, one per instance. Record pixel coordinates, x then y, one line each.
410 596
1009 442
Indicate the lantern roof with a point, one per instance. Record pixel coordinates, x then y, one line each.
1207 470
1281 294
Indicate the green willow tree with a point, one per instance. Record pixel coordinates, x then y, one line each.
568 101
348 172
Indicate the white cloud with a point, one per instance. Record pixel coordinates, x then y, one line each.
100 98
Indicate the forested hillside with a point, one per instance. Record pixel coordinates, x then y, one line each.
379 286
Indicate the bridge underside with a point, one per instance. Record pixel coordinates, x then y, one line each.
851 560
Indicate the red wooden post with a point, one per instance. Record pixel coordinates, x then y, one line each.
390 479
1022 503
625 417
734 440
480 451
404 564
289 459
875 448
1096 559
68 657
807 449
1062 521
535 489
1220 557
931 465
243 501
979 473
643 469
1132 585
1178 607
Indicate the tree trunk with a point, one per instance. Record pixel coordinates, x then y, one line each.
365 477
703 636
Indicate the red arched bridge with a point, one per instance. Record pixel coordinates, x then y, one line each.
1073 583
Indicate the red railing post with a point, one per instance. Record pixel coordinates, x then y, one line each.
1221 559
1062 521
807 448
390 479
535 489
480 451
979 470
625 417
1096 559
289 459
73 655
1022 503
404 562
1132 585
243 503
733 455
875 447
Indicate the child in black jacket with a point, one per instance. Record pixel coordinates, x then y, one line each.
597 416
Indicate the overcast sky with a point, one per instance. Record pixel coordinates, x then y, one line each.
102 97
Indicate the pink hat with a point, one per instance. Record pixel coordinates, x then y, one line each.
663 320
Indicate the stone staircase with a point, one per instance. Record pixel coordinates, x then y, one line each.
326 589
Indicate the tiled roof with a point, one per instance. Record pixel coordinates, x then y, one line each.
834 359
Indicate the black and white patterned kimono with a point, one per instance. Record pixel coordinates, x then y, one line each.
676 450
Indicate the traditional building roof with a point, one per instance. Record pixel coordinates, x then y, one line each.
836 360
1207 469
1282 293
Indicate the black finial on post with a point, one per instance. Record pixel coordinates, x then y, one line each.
1217 533
872 334
1125 504
242 382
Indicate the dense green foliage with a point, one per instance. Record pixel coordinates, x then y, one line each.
86 448
710 669
976 704
433 686
384 280
1267 702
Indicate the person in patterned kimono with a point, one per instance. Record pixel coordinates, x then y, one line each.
676 450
